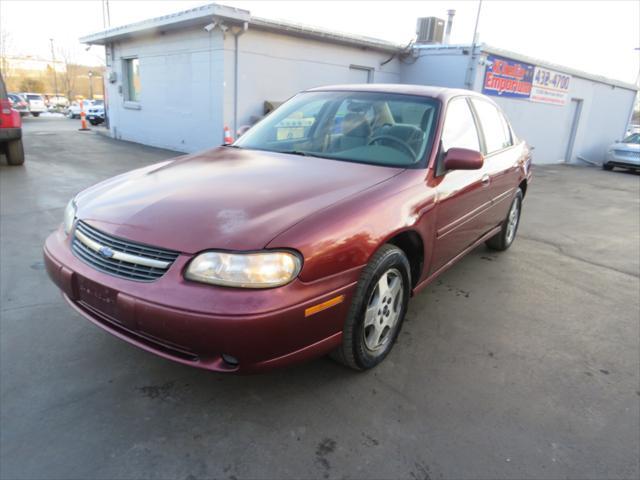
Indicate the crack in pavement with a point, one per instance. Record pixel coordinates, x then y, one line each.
580 259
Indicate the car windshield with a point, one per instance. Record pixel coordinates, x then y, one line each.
367 127
634 138
34 97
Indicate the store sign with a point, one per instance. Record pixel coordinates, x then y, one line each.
507 78
550 86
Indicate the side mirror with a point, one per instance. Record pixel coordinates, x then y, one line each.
463 159
242 130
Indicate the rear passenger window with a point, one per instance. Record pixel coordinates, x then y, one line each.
459 128
494 126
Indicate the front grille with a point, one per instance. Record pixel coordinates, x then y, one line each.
133 268
627 154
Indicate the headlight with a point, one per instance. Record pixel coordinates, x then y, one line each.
244 270
69 216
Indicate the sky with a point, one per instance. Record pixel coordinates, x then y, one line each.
598 37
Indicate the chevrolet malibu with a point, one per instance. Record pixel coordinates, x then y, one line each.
307 236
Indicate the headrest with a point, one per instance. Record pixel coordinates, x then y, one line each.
355 125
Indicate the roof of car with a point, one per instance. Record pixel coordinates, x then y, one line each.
440 93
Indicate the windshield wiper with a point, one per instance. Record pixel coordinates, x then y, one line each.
301 153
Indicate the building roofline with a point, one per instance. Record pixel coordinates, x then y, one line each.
307 31
534 61
206 13
184 18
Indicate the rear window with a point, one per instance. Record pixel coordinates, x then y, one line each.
34 97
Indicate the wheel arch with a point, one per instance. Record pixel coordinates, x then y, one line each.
412 244
523 187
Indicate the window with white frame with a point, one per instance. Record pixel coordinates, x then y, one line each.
132 78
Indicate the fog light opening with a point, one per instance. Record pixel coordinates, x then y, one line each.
230 360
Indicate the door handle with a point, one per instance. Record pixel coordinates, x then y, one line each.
486 180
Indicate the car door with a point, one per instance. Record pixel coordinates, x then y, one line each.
462 201
502 157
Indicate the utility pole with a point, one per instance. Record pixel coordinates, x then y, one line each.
108 14
55 77
470 69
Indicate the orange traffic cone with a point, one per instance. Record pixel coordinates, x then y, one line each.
83 117
228 139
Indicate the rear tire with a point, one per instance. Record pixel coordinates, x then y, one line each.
606 166
377 310
15 152
35 114
507 234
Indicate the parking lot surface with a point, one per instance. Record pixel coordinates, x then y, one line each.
522 364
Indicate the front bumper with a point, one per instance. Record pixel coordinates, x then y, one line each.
195 324
624 160
8 134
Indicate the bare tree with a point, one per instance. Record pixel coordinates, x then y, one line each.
5 46
71 72
35 85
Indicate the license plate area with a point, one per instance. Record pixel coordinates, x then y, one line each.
103 299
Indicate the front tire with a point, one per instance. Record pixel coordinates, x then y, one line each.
15 152
377 310
607 166
507 234
35 114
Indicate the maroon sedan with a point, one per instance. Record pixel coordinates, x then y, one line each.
307 236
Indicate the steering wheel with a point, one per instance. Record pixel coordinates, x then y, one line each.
396 140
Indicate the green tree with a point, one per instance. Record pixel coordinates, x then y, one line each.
32 85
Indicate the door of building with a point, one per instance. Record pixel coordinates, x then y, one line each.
575 108
360 74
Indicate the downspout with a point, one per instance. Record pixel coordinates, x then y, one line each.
237 31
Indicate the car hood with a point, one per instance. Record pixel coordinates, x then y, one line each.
629 147
223 198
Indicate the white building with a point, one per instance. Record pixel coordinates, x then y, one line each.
176 81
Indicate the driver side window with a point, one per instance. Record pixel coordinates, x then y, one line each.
459 127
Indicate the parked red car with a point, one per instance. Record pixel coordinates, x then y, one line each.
10 129
307 236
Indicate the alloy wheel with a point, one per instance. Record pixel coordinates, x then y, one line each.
383 311
512 220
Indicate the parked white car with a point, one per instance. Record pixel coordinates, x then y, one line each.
58 101
36 103
95 114
74 109
624 154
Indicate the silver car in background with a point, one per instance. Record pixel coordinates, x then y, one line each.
624 154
